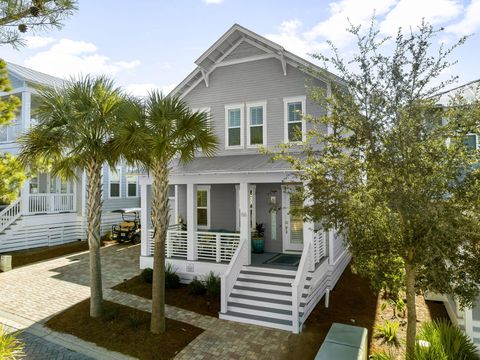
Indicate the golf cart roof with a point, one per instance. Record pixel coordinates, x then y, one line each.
127 211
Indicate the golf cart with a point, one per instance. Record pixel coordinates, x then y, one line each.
129 229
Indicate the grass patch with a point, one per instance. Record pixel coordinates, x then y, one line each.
125 330
180 297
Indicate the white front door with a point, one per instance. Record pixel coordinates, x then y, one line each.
292 224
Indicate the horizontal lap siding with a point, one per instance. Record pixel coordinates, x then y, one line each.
223 207
249 82
121 202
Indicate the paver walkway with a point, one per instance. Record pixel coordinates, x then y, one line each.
39 291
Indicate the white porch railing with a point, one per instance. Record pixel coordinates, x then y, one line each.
319 246
50 203
240 258
10 214
216 246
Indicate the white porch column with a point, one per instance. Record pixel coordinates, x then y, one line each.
144 198
83 187
468 321
25 198
331 247
245 218
192 222
25 112
308 235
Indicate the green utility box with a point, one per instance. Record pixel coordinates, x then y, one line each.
344 342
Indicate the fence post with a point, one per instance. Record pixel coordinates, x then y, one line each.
169 243
218 238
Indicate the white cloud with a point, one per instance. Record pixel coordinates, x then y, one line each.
470 22
144 89
409 13
34 42
208 2
68 57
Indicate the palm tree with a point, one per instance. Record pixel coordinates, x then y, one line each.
74 133
164 129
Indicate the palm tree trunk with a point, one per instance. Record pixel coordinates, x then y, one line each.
160 219
411 307
94 208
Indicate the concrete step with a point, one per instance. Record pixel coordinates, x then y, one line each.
257 320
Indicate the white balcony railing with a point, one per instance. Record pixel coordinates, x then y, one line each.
51 203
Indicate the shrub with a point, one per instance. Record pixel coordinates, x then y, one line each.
381 356
172 280
443 341
11 347
388 332
107 236
111 313
134 319
213 285
196 287
147 275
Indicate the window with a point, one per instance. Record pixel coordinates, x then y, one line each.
132 181
294 123
114 181
10 132
471 141
256 119
234 126
203 206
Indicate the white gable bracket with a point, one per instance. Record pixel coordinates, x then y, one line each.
284 63
205 76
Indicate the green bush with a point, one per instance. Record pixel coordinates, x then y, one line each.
381 356
172 280
11 347
213 285
147 275
444 341
134 320
388 332
107 236
196 287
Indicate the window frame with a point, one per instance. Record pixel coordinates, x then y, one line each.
206 188
129 176
477 145
289 100
241 107
15 126
263 105
119 171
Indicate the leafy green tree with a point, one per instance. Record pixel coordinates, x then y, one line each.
159 130
75 133
20 16
392 174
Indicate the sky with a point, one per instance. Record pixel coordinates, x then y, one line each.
148 44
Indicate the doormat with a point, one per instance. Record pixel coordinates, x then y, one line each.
284 259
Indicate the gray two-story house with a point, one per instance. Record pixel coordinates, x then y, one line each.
255 93
50 210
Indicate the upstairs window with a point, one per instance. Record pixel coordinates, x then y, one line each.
9 132
256 119
132 182
234 126
471 141
294 123
114 182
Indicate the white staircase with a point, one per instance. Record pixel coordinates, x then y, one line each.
10 214
263 296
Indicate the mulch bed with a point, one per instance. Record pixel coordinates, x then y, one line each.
125 330
180 297
353 302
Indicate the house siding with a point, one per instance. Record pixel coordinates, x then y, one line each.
223 210
250 82
121 202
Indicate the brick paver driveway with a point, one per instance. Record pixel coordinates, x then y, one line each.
39 291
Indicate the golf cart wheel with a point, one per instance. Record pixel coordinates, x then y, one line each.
136 239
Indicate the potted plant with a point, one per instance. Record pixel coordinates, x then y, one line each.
258 239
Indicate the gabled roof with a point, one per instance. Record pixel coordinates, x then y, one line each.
469 91
233 38
34 77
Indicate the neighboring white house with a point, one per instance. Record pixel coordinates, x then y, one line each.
467 319
255 92
51 211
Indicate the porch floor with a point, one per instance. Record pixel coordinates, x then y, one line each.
258 260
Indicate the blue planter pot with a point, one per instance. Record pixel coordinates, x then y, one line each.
258 245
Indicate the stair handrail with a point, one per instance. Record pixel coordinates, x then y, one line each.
11 213
298 284
239 259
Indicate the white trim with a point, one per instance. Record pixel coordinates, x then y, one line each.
119 171
242 115
477 145
244 60
209 206
262 104
288 100
128 183
251 187
253 218
230 50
